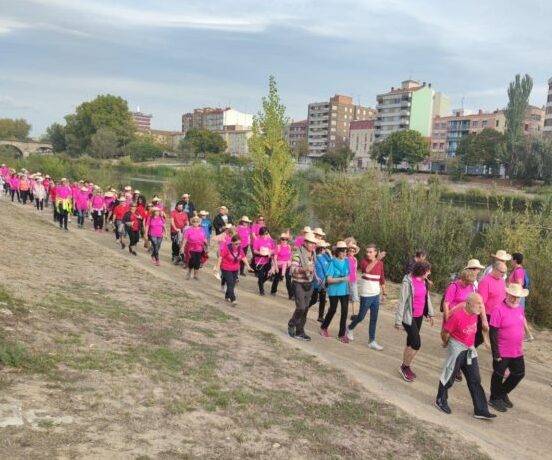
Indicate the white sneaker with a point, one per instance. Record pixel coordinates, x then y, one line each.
349 334
375 346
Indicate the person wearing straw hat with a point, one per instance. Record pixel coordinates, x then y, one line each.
507 324
194 244
474 266
322 261
81 205
97 206
263 249
118 212
352 251
179 221
299 240
282 261
338 277
498 256
64 197
458 335
39 193
244 231
155 230
228 262
206 225
302 271
221 219
319 233
519 276
491 288
187 205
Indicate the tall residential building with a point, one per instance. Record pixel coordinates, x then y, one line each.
215 119
237 139
142 120
412 106
361 139
297 134
548 116
329 122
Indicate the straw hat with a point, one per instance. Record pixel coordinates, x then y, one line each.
310 238
341 245
245 219
155 198
128 188
502 255
186 195
39 179
137 192
47 176
224 207
203 213
354 247
318 231
264 252
474 263
516 290
108 194
84 189
63 179
323 244
307 229
195 219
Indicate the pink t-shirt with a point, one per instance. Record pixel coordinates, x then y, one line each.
97 202
511 330
245 235
195 237
418 302
14 183
284 254
259 243
63 191
298 242
156 225
352 269
462 327
255 229
518 276
457 293
231 258
492 291
81 201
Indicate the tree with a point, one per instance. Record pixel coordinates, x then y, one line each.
144 148
202 141
273 193
55 134
535 160
14 129
338 160
483 148
104 144
406 145
518 102
105 111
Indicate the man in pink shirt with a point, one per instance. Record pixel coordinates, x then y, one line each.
492 289
507 331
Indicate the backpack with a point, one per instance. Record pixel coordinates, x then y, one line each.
527 280
441 306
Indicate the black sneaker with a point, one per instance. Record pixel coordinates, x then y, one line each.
443 406
291 331
509 404
303 337
498 404
487 416
320 320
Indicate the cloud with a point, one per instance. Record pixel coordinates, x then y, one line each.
8 102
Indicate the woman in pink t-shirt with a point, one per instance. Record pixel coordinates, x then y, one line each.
263 250
282 261
414 304
244 231
81 205
457 292
229 260
97 206
155 229
194 243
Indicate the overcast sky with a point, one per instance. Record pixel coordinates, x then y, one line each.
169 56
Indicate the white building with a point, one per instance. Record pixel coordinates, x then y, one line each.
361 139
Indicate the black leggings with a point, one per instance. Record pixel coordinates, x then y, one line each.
230 278
63 216
194 261
98 219
262 273
334 300
133 236
13 193
242 264
413 333
24 196
277 278
319 295
39 204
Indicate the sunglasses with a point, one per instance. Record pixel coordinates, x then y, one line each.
284 239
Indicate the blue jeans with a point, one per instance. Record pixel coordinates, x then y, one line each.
156 245
372 304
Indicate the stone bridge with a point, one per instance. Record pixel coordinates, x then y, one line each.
26 148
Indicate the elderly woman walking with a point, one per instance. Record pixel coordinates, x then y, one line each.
193 245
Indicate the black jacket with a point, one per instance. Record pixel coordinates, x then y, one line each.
219 223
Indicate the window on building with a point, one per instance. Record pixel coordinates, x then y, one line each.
484 123
497 123
475 124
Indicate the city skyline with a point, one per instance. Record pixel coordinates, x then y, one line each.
169 59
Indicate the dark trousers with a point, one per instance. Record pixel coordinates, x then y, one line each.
63 216
56 212
175 246
262 274
230 278
479 332
39 204
302 297
473 379
319 295
24 196
242 265
80 217
133 236
276 281
97 216
14 193
413 339
194 260
334 300
368 304
500 386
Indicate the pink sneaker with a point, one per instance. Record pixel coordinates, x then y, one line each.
153 260
324 333
157 262
343 339
406 374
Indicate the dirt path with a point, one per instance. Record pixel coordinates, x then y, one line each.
523 432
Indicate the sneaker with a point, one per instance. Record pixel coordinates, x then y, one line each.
375 346
509 404
188 275
324 333
412 373
406 374
349 334
320 320
196 278
487 416
343 339
273 294
498 404
443 406
528 338
291 331
233 304
153 260
303 337
157 262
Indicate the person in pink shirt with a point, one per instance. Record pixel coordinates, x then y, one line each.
256 227
282 261
229 260
97 206
457 292
458 335
245 233
352 251
14 187
155 229
507 331
263 249
492 289
194 243
81 205
64 202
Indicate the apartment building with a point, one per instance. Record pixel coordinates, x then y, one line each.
548 116
329 123
237 139
142 120
361 138
412 106
215 119
297 134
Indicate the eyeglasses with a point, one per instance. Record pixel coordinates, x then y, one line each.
284 239
260 218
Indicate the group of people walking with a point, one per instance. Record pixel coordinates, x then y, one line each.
481 306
